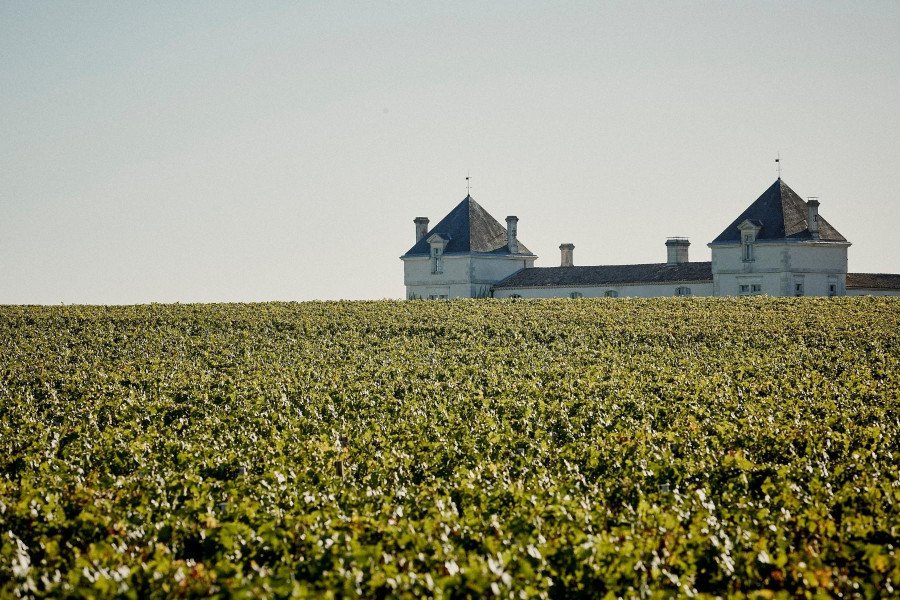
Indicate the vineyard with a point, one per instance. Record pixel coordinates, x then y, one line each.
554 448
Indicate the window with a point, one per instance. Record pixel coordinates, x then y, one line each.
437 297
515 295
749 289
749 230
575 295
682 291
611 294
747 255
437 260
832 289
798 289
438 242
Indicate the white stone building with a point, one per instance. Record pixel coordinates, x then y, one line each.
779 246
464 255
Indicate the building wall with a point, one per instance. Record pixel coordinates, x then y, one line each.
819 257
655 290
778 267
468 275
872 292
490 270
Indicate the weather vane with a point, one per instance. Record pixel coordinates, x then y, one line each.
468 187
778 164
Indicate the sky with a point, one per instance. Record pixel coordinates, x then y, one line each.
254 151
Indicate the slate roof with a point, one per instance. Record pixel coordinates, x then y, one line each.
471 229
874 281
782 215
610 275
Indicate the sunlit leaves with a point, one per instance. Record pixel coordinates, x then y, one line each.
523 448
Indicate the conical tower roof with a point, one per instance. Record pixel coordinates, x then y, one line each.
781 214
470 229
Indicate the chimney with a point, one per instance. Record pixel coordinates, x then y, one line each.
812 217
565 251
421 227
511 242
677 250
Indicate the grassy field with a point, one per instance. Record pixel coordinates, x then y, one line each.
469 448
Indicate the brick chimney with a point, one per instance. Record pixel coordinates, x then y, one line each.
565 258
677 250
421 227
511 225
812 217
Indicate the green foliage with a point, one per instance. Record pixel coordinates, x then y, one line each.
512 448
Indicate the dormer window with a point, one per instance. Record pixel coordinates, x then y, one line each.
437 261
437 242
749 230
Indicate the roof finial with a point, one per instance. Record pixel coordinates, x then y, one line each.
778 165
468 187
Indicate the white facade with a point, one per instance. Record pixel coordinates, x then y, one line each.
872 292
633 290
469 275
782 268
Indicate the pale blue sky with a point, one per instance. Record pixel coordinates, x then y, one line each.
220 151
